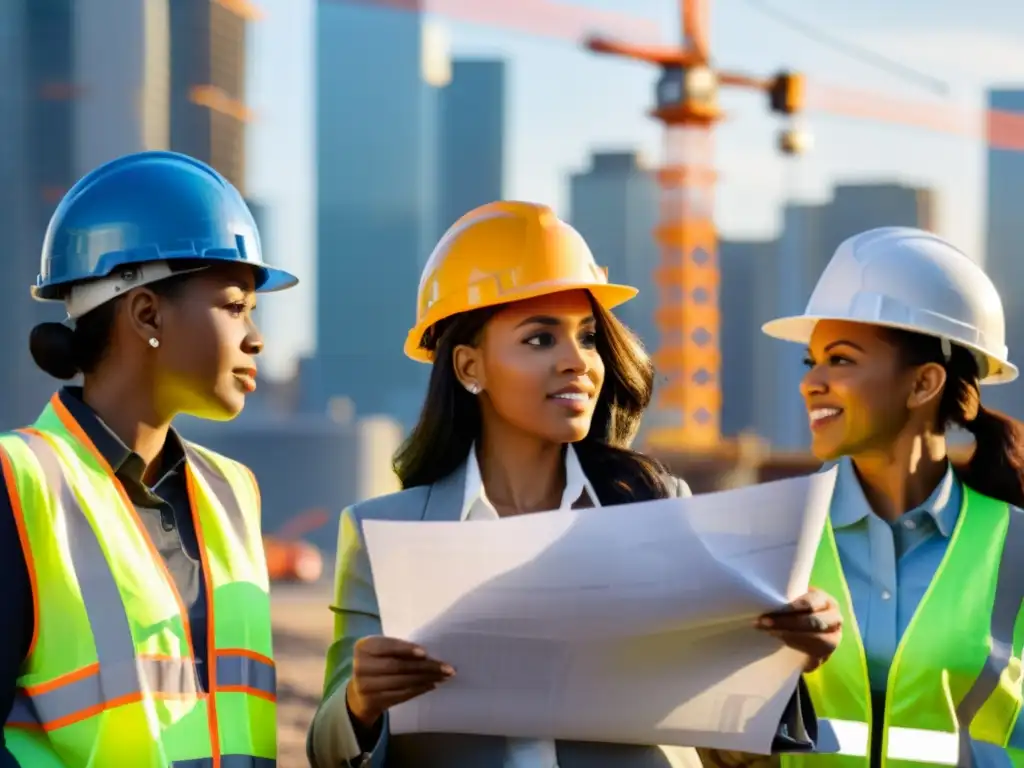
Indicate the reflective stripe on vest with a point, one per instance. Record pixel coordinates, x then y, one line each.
981 723
851 739
228 761
237 722
90 693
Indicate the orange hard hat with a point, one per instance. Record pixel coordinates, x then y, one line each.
504 252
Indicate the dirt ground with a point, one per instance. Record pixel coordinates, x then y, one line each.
302 632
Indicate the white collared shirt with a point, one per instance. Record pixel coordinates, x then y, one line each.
476 506
525 753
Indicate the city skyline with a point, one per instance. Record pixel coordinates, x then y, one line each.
598 104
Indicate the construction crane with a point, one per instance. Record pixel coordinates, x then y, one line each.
686 412
565 22
688 401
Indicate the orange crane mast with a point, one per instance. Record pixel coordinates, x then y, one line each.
686 413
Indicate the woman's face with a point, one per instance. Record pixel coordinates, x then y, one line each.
857 391
538 367
208 344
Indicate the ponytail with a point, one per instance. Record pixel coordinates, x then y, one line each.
996 467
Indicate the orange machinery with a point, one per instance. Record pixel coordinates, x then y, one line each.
292 560
688 403
289 558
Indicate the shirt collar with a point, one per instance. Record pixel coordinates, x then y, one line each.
850 506
126 463
577 486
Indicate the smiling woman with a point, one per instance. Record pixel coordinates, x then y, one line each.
558 367
535 395
902 329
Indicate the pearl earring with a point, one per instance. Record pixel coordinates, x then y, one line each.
154 342
473 389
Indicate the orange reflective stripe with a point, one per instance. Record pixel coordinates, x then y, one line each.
26 548
221 489
228 761
81 694
211 623
119 676
76 430
240 671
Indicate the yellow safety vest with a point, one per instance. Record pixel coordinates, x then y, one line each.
110 678
954 689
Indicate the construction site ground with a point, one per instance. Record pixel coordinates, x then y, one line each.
302 632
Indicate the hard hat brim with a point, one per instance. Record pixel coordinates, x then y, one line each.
606 294
800 328
268 280
271 279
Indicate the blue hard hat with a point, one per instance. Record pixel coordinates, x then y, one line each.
149 207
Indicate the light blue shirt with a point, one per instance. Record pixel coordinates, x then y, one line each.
888 566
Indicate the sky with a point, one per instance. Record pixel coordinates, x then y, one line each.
565 102
281 156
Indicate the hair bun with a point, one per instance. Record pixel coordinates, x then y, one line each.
53 349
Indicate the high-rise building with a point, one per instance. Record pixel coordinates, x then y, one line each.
741 263
1004 233
614 205
857 207
784 282
207 82
281 173
472 138
120 94
378 72
71 100
36 166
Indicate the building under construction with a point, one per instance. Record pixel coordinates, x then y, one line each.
80 84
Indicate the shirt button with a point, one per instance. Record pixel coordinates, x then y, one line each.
909 525
886 594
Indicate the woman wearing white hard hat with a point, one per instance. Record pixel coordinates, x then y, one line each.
927 558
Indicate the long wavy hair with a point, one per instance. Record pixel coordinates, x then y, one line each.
450 420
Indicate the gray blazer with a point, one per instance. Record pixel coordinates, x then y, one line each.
332 743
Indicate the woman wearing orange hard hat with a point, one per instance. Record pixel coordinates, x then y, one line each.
534 398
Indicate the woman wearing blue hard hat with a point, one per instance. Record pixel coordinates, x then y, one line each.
138 628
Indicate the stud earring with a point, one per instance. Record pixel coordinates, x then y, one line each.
154 342
473 388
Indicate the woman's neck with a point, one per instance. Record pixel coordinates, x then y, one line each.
519 472
130 416
902 478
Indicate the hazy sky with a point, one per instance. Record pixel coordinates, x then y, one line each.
565 102
596 101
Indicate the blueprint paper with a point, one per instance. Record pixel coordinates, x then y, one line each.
630 624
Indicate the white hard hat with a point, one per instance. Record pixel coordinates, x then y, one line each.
900 277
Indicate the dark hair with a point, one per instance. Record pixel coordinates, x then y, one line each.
996 467
450 419
64 352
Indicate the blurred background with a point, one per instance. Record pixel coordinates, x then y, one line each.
359 130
